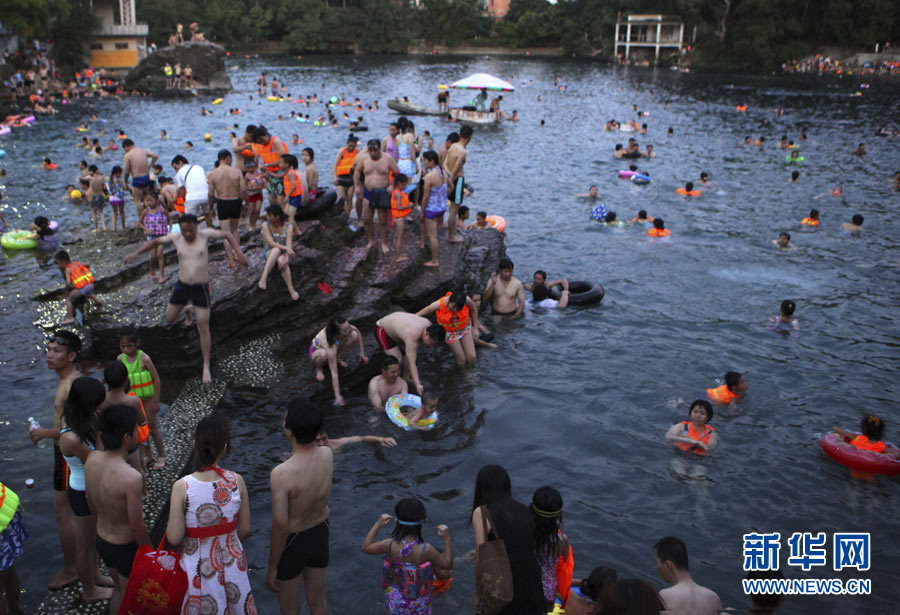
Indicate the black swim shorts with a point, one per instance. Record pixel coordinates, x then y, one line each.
229 209
120 557
60 470
378 198
78 502
385 341
455 195
345 180
197 294
302 550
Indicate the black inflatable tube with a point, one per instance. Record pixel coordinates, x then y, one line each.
582 292
317 207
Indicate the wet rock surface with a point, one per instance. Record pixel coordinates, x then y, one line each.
207 61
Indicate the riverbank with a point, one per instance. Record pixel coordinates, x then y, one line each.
255 333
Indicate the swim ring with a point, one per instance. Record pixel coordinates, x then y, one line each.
18 240
640 179
75 194
217 101
393 405
497 222
81 130
627 174
5 130
581 292
839 448
632 155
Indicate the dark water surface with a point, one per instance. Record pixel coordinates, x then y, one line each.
576 399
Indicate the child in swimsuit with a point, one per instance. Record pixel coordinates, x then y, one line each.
409 562
155 222
116 190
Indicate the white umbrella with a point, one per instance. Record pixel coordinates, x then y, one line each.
483 81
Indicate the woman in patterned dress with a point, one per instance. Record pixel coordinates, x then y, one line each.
210 514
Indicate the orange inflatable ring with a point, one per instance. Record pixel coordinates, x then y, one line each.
497 222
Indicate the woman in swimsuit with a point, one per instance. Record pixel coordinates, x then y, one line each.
278 233
329 345
435 191
409 562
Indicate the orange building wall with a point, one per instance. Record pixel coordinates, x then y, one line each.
498 8
122 58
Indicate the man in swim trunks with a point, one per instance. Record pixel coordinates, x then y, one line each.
376 195
455 166
62 352
114 490
227 192
399 333
388 383
506 293
192 245
138 161
301 488
343 181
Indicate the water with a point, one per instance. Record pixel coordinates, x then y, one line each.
577 399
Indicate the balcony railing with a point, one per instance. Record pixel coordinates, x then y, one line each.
139 29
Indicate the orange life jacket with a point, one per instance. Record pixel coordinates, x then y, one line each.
346 162
179 204
404 209
684 192
722 394
142 430
79 275
647 219
565 569
695 435
268 155
452 321
810 222
863 443
659 232
293 186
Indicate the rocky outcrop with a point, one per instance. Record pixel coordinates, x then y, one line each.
207 61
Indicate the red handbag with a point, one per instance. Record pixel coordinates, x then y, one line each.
157 584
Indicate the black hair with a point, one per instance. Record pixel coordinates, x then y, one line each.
128 142
631 167
465 132
788 235
458 298
332 329
43 225
114 423
223 154
72 341
732 379
659 223
631 596
429 397
412 511
63 256
463 211
453 137
115 374
795 174
93 168
872 427
211 437
387 360
115 169
813 213
703 174
546 512
437 333
312 154
769 602
599 579
276 210
303 419
259 132
788 307
179 158
400 178
373 144
671 549
85 396
539 292
431 155
541 273
619 146
250 129
188 219
610 217
291 160
482 214
857 219
705 405
491 484
505 263
642 214
689 186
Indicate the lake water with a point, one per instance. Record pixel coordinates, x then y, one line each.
577 399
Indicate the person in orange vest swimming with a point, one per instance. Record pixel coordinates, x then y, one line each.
80 279
695 435
734 387
872 429
48 164
453 312
688 190
813 219
659 229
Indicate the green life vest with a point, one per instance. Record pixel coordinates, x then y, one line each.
168 70
140 379
9 505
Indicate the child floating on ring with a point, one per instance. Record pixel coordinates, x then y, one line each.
872 429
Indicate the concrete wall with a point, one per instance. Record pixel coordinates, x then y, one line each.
112 54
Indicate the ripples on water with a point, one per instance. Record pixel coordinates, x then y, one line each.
577 399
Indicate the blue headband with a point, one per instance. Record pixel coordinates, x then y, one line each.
402 522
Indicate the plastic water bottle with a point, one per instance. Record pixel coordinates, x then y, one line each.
32 425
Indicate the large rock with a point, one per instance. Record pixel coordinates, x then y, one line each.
207 61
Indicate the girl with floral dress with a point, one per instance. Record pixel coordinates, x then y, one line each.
116 188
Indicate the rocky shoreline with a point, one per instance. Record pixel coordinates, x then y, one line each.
255 334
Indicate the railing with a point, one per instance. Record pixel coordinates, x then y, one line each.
139 29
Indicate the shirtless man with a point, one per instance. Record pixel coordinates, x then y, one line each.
240 144
114 491
454 167
227 192
398 334
452 138
684 597
506 293
540 277
137 166
388 384
62 352
301 488
192 245
377 194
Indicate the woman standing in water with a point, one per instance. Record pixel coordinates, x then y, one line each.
210 514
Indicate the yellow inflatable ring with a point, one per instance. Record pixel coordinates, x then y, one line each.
497 222
217 101
396 402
